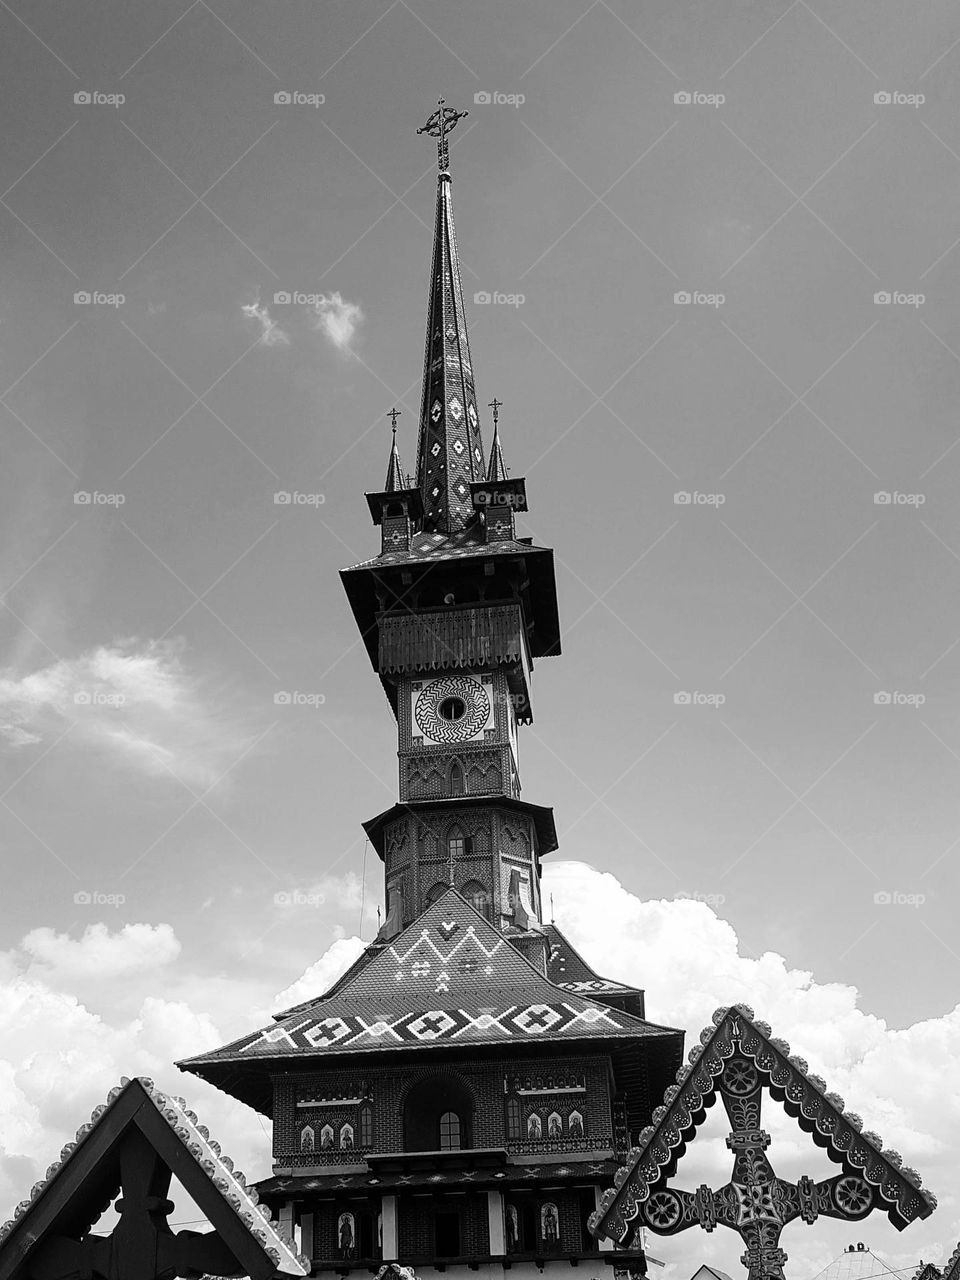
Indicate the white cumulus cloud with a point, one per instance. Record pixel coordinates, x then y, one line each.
132 701
337 319
100 953
271 334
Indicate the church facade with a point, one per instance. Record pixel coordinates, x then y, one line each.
460 1098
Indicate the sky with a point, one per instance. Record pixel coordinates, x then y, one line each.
721 243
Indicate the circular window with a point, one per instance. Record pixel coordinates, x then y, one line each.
452 708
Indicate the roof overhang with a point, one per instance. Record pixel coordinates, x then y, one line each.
542 817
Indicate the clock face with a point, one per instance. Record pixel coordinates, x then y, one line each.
452 710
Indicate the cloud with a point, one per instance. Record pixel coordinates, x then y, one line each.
337 319
689 962
321 975
100 953
271 334
132 701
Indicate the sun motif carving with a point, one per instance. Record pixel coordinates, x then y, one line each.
853 1195
662 1210
452 710
740 1076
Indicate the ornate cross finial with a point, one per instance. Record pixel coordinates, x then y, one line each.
394 414
496 405
438 126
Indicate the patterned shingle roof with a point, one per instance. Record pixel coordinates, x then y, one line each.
448 546
449 978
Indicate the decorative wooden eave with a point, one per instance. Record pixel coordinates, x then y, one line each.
134 1144
738 1058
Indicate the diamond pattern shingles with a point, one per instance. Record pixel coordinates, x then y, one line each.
449 978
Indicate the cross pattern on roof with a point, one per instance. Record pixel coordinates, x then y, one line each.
450 977
738 1059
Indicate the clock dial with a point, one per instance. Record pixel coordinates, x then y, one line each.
452 710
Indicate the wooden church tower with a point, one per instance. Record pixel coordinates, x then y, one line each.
460 1097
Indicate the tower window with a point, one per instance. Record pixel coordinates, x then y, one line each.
452 708
476 895
366 1125
449 1131
457 787
514 1129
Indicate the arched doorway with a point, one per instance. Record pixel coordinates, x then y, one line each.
438 1115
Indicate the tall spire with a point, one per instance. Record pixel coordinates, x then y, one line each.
497 469
449 449
394 480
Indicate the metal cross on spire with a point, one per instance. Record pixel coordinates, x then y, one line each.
438 126
393 415
496 405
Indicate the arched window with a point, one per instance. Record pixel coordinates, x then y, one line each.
435 891
450 1131
366 1126
456 779
514 1123
476 895
306 1138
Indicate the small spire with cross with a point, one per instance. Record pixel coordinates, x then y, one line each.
496 470
394 480
438 126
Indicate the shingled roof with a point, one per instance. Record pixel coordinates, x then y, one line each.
449 979
67 1202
